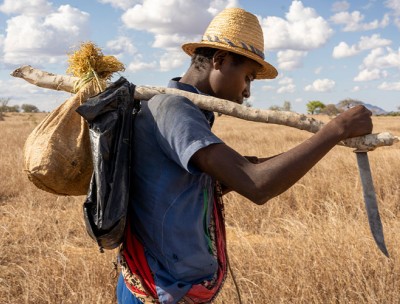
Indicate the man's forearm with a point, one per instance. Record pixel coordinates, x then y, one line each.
280 172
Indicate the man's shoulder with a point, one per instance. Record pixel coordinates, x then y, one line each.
169 102
172 98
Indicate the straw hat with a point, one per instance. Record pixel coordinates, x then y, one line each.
237 31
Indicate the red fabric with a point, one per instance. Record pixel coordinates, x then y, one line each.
136 260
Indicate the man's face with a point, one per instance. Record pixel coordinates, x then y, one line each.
231 80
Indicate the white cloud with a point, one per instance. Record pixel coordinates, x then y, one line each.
377 60
318 70
389 86
168 61
169 41
367 75
121 45
302 29
340 6
67 20
267 88
356 89
160 17
394 5
373 42
218 5
285 81
397 22
172 60
165 19
32 7
368 6
290 59
321 85
138 65
353 21
287 85
344 50
34 39
121 4
382 58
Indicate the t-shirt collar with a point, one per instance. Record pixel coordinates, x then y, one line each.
175 84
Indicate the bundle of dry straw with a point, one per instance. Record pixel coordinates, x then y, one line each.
88 63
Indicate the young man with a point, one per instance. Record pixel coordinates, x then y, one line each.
174 249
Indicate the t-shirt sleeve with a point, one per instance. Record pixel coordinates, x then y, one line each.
182 129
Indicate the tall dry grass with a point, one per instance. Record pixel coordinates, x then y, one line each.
312 244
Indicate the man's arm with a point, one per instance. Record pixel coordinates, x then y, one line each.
263 181
253 160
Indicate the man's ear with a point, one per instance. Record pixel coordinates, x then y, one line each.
219 58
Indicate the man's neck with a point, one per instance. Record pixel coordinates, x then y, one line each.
198 79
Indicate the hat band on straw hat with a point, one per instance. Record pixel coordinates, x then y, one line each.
245 46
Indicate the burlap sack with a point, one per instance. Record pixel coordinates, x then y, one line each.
57 155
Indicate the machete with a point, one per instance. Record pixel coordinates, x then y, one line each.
371 204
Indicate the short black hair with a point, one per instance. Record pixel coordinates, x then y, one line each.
203 55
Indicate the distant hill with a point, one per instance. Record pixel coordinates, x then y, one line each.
374 109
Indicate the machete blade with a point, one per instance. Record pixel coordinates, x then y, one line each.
371 204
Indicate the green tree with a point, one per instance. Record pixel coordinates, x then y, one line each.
330 109
4 101
275 108
348 103
14 108
3 106
287 106
315 107
28 108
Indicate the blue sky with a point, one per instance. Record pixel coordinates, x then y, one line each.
323 50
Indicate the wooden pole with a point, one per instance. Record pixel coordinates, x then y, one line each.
299 121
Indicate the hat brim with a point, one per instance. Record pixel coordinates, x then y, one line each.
267 71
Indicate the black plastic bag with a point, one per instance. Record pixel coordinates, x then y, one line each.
110 115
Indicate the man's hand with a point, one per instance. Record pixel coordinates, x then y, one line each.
352 123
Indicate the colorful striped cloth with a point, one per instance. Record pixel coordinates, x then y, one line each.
138 277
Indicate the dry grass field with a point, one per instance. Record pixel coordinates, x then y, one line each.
312 244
